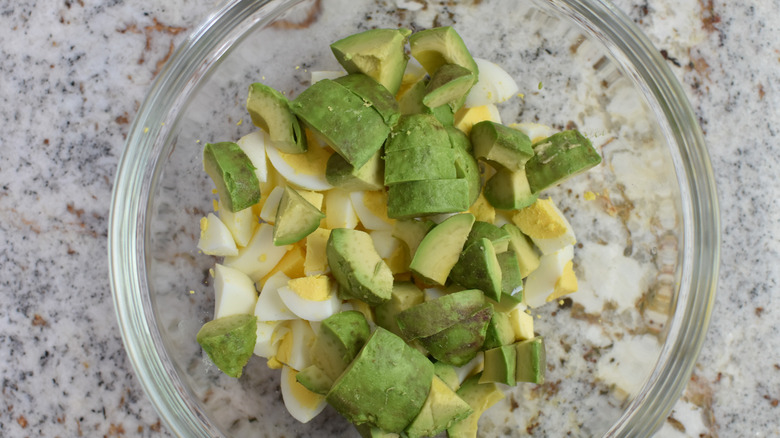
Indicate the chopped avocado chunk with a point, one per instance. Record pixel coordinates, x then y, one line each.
531 360
359 270
480 396
442 409
498 236
447 374
270 111
411 102
511 278
416 131
448 86
367 431
466 168
439 46
460 342
509 190
374 95
420 163
478 268
428 197
412 232
314 379
459 139
229 342
441 247
296 218
431 317
500 365
385 386
527 257
340 118
378 53
499 331
339 339
404 296
370 176
501 144
233 174
559 157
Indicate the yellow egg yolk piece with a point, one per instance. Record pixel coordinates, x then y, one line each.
311 162
312 288
540 220
376 202
566 284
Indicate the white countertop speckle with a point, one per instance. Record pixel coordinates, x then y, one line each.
74 74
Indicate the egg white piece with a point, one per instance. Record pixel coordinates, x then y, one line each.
310 310
370 219
534 131
268 338
384 242
234 292
301 403
307 181
270 306
215 237
242 224
271 206
494 85
319 75
295 347
259 256
553 244
471 367
253 145
541 282
339 211
432 293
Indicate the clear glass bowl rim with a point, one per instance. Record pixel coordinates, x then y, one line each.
139 169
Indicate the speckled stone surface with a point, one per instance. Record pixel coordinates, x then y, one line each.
74 73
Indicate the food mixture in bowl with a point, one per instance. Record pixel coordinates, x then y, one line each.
601 342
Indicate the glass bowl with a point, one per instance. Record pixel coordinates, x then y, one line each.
620 350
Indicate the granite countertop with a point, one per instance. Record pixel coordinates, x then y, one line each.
74 73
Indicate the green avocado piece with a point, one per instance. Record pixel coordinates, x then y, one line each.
440 248
270 111
431 317
412 103
378 53
498 236
480 396
499 331
466 168
478 268
340 118
428 197
229 342
527 257
511 278
314 379
459 138
233 174
500 365
367 431
448 86
412 232
447 374
339 339
459 343
385 386
404 296
531 360
442 409
359 270
501 144
374 95
343 175
559 157
416 131
419 163
296 218
438 46
509 190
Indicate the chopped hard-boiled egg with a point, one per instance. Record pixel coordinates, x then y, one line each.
313 198
271 206
260 255
306 170
316 261
215 237
302 404
566 284
253 145
234 292
541 282
482 210
291 264
294 348
384 242
268 338
494 85
371 209
339 210
242 224
534 131
319 75
522 323
471 367
545 224
312 298
270 306
465 118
